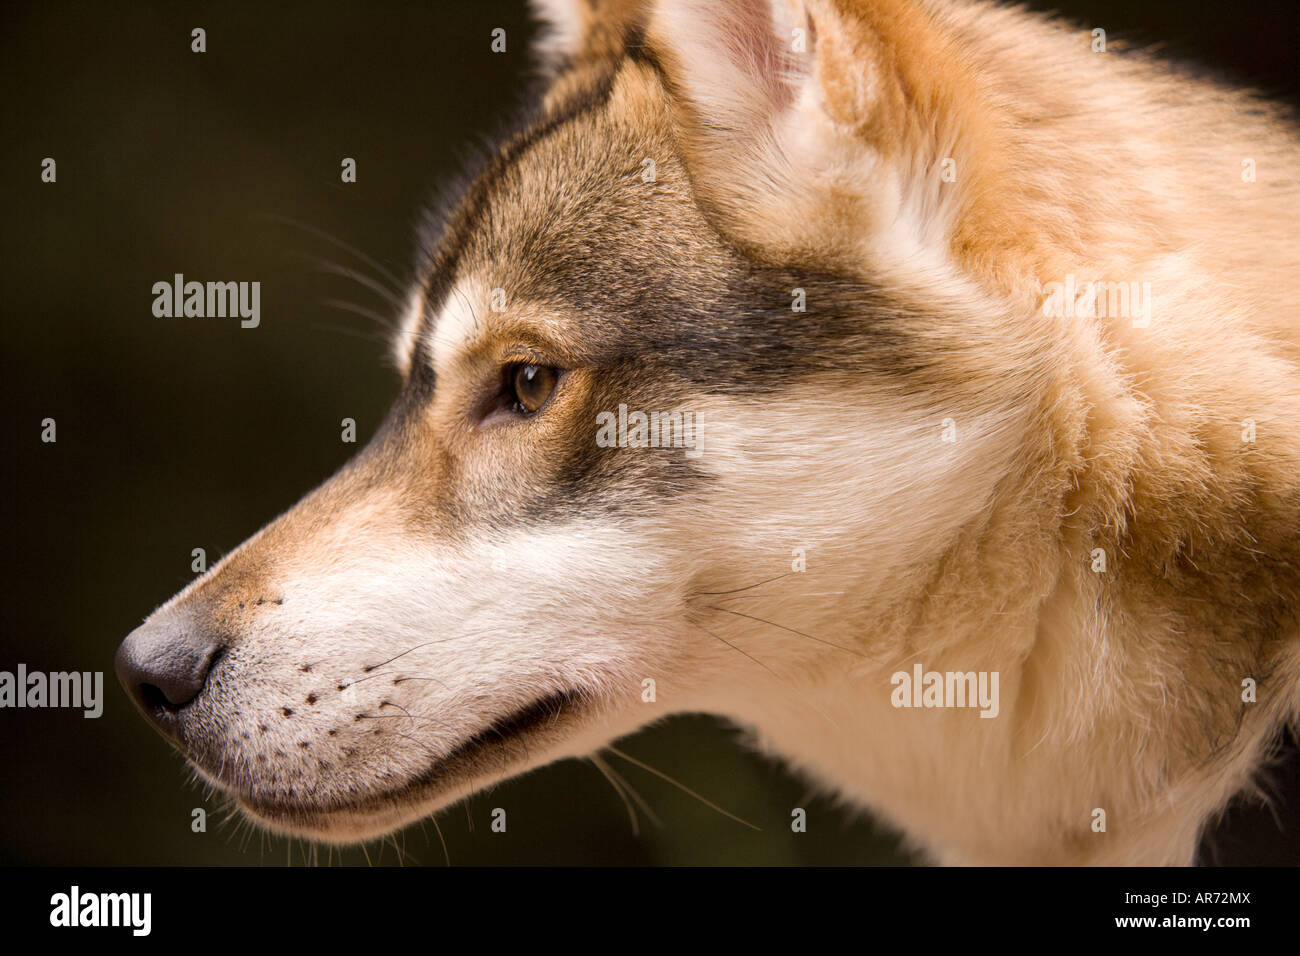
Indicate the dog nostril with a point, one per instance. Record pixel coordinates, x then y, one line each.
154 697
165 662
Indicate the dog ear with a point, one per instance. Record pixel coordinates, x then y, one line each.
741 64
780 106
574 32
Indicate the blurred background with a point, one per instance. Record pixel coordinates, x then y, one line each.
174 435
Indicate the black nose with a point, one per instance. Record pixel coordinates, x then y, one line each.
164 663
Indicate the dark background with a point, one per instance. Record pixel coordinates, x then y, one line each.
193 433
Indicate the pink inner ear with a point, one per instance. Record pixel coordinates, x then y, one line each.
751 38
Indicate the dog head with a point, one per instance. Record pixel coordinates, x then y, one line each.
672 424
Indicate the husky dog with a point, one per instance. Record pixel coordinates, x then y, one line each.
987 338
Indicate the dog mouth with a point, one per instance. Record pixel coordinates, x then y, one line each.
499 750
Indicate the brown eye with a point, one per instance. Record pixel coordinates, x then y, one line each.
532 385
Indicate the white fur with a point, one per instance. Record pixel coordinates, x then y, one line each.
411 643
407 326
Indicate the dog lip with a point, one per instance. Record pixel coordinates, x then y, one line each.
531 717
462 762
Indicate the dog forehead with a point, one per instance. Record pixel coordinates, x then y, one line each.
569 218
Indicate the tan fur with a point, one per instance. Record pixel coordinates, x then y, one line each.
1128 683
1120 690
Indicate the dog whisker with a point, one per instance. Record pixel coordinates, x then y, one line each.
750 587
372 667
360 310
334 268
437 829
681 786
397 284
626 792
847 650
